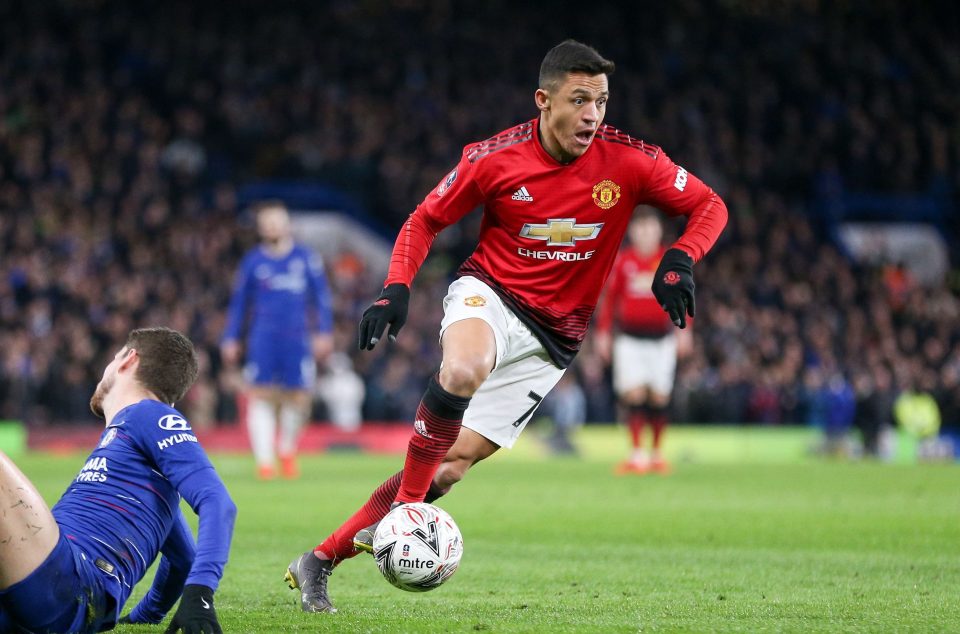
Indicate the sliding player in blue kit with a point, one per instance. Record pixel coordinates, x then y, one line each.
73 568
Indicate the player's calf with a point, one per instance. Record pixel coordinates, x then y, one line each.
436 427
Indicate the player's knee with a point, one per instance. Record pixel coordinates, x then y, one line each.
658 402
634 397
462 377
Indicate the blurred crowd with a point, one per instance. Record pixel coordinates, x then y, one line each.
126 129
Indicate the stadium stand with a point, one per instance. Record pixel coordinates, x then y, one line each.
127 128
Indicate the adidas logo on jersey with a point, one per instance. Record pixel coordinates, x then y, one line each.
522 194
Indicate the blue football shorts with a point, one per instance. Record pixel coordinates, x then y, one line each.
282 362
66 593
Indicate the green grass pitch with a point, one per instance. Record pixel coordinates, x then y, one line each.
562 545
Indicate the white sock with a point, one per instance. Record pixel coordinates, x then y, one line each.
639 456
292 419
262 425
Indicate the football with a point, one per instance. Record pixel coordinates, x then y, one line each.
417 547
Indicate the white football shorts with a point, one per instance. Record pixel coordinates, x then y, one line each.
640 362
523 373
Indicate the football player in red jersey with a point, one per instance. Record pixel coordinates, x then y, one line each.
558 192
645 349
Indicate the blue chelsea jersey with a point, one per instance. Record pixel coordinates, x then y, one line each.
124 506
275 293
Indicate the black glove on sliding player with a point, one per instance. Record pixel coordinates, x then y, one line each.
390 308
195 614
673 286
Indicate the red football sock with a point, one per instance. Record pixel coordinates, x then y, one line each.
339 545
436 427
636 420
659 422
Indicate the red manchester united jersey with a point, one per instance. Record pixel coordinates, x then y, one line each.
628 300
551 231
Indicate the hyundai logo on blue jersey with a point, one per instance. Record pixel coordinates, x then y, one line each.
172 422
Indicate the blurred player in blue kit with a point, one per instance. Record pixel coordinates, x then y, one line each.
277 283
72 568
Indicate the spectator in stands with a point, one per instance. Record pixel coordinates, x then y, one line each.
874 407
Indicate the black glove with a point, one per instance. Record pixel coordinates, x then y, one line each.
390 308
195 615
673 286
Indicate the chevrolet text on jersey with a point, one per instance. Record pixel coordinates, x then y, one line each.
560 256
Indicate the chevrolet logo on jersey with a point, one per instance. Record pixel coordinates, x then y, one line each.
561 232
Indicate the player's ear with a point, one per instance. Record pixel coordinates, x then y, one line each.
542 98
129 359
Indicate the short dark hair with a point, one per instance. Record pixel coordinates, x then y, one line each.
269 203
168 362
642 212
571 56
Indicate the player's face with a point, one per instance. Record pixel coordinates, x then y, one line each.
273 225
106 383
645 234
573 111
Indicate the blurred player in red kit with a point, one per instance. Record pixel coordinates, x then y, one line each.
645 348
557 193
